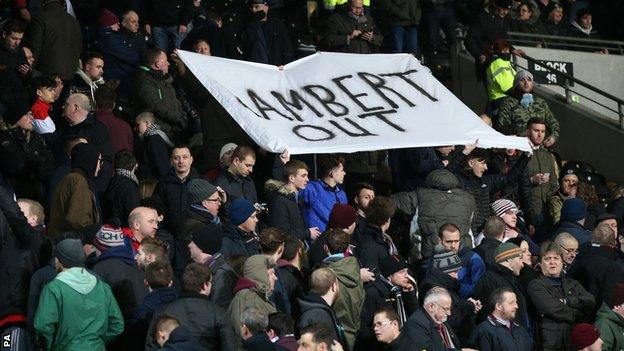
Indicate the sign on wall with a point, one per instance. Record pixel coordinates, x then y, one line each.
543 76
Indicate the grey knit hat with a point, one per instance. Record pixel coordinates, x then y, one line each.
70 253
521 74
445 260
199 190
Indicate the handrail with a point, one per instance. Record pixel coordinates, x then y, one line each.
566 43
558 38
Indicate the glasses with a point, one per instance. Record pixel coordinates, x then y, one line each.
446 309
381 324
569 250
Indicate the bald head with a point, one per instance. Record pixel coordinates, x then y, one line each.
143 222
76 108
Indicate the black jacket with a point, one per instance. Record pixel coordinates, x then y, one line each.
224 280
518 192
494 336
484 31
154 161
267 42
582 235
202 222
122 196
237 187
172 191
239 243
12 82
495 277
423 333
556 318
259 342
167 13
293 281
372 248
286 213
411 166
340 25
180 340
595 268
486 249
204 320
315 310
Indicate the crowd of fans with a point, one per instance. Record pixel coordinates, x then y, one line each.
136 214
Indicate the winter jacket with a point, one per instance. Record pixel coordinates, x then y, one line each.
121 197
204 320
411 166
372 248
582 235
153 157
611 327
499 75
400 13
519 192
472 270
348 305
180 340
491 335
286 210
486 250
484 31
203 222
462 318
73 205
319 199
55 39
155 93
259 342
481 188
251 290
13 84
137 326
267 42
556 317
117 267
293 281
514 117
77 312
594 267
442 200
338 28
224 280
83 84
167 13
120 132
316 310
172 191
237 187
423 333
239 243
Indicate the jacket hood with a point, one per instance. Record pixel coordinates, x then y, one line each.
347 270
442 179
605 312
85 157
243 283
79 279
255 269
122 252
276 186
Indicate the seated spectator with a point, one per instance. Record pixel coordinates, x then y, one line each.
499 74
236 179
240 236
500 331
281 332
205 320
118 129
560 301
442 200
73 204
554 22
573 214
585 337
253 289
316 306
527 19
320 195
493 234
122 195
568 187
254 323
285 204
25 160
375 244
155 93
171 336
45 96
265 39
516 110
610 320
582 26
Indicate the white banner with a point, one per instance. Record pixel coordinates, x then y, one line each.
335 102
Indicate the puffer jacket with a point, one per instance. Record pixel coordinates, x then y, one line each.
441 201
286 210
349 304
611 327
319 199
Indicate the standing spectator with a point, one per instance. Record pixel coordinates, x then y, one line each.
142 223
265 39
155 92
363 194
281 332
439 16
254 323
44 92
499 331
559 301
493 234
171 336
509 213
387 327
491 24
517 109
168 21
55 38
290 270
119 130
375 244
585 337
402 19
351 30
610 320
318 336
122 195
342 217
88 77
16 73
410 167
321 195
76 310
236 180
569 249
240 233
568 187
203 214
542 169
573 215
499 74
155 145
316 307
73 205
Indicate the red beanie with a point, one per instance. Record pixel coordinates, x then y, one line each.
584 335
107 18
341 217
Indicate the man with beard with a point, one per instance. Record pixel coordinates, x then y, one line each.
499 331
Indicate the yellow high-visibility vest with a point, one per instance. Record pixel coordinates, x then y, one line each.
500 76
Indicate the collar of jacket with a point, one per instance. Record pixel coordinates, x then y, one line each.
193 295
492 320
504 270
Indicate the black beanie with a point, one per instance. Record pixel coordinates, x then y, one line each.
85 156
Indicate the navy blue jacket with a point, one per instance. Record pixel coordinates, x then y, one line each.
238 243
494 336
180 340
579 233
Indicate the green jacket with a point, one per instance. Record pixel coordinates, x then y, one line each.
513 117
611 327
349 304
500 77
77 312
555 204
542 161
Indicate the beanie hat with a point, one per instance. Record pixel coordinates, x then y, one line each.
107 18
521 74
391 264
617 297
239 210
108 236
573 210
205 238
583 335
70 253
445 260
85 157
503 4
570 171
500 207
15 112
342 216
227 147
506 251
199 190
